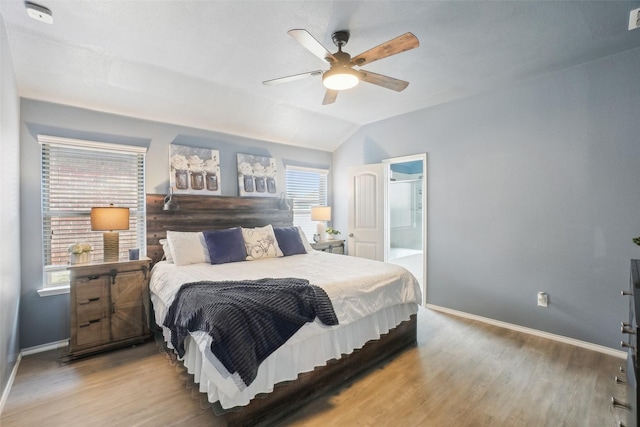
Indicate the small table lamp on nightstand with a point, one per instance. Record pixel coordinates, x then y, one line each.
321 214
110 220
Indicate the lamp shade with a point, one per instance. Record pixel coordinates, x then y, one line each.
109 219
320 213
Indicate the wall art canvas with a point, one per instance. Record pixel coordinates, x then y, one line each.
256 176
194 170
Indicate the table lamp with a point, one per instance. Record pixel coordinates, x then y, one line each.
110 220
321 214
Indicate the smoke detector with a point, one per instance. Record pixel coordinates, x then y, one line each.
39 13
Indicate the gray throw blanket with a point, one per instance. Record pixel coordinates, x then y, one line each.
247 320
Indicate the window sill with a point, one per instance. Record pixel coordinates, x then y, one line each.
57 290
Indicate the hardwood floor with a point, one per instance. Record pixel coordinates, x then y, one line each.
461 373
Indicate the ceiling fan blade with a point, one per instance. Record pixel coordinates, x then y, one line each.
384 81
400 44
308 41
330 97
292 78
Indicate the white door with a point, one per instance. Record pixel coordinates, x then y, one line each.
366 211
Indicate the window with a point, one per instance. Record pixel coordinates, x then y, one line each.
307 187
76 176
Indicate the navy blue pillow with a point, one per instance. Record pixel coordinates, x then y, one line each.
289 240
225 245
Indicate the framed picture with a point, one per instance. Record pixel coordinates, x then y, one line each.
256 176
194 170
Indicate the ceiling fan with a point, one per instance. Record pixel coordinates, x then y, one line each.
342 74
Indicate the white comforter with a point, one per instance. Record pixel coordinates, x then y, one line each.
369 299
357 287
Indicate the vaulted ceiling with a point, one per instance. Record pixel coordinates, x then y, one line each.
201 63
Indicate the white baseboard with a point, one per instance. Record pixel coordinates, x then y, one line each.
590 346
7 389
27 352
44 347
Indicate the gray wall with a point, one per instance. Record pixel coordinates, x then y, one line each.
532 187
46 319
9 213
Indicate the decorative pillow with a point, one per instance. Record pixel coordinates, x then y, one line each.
305 242
289 240
166 249
187 247
260 243
225 245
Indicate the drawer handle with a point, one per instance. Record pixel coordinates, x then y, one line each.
626 328
90 300
618 380
618 404
85 325
626 345
94 277
625 293
622 370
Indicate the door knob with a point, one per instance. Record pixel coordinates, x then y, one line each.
350 234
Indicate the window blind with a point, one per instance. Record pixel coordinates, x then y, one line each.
306 187
78 175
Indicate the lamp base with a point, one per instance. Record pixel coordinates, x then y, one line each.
321 229
111 243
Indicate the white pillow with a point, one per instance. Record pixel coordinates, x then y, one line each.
166 249
260 243
188 247
305 242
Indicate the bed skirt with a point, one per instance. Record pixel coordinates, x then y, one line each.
311 347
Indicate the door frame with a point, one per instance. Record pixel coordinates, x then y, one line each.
387 212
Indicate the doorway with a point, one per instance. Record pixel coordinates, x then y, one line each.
405 225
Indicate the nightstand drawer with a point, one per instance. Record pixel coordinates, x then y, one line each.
91 311
331 246
93 332
91 288
92 299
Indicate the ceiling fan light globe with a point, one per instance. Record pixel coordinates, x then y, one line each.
340 79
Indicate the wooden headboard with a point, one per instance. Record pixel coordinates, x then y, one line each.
199 213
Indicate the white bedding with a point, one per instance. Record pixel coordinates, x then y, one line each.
369 299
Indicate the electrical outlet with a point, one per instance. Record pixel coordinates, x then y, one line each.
543 299
634 19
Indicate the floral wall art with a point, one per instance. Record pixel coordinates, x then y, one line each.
194 170
256 176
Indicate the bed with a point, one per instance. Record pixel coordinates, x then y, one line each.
375 304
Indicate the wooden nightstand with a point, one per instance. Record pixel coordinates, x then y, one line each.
109 305
333 246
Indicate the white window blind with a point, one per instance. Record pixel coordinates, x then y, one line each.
306 187
76 176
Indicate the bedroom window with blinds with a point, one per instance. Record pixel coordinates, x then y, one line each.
76 176
306 187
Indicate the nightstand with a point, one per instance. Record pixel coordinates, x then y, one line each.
109 305
333 246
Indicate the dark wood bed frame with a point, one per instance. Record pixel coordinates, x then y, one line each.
199 213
